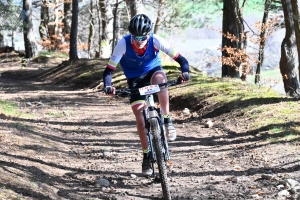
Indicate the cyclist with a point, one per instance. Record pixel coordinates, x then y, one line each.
137 54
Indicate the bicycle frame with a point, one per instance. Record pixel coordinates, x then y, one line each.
155 130
149 112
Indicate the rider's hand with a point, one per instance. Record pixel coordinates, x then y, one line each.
184 77
109 90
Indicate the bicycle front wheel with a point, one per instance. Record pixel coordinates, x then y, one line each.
155 129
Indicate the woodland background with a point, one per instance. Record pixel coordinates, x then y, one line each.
61 136
232 38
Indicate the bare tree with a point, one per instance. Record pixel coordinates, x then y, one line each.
233 38
67 19
297 30
159 15
288 52
116 28
262 41
52 26
1 39
57 24
135 7
98 52
91 29
107 28
29 39
73 54
43 28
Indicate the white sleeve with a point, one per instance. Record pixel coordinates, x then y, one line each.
163 45
117 54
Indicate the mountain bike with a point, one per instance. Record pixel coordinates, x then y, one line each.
155 129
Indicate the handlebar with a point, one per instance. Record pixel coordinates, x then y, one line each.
127 91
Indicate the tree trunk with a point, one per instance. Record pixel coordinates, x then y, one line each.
98 53
118 26
262 44
1 39
159 16
56 42
43 28
107 28
73 55
233 37
91 32
67 20
10 4
297 30
13 39
135 7
29 39
288 52
115 25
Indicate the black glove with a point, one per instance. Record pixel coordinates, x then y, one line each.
108 90
183 78
186 76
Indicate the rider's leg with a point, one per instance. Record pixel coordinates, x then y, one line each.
137 109
163 96
140 124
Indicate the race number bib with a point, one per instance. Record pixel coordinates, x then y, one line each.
150 89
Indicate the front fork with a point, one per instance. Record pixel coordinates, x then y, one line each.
163 134
149 136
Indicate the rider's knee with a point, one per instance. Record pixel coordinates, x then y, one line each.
158 77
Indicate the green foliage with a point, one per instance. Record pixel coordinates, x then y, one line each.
202 13
9 108
46 56
52 53
55 114
195 14
253 7
257 7
10 15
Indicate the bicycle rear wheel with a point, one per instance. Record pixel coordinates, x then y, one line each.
155 129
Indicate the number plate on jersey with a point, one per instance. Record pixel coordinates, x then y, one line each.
150 89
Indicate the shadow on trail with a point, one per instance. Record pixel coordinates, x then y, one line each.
74 186
249 172
36 176
66 137
15 85
232 137
241 104
25 192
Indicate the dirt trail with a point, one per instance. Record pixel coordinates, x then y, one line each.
83 145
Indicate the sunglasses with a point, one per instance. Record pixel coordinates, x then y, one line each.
139 38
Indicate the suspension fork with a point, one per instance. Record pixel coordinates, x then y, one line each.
163 134
149 136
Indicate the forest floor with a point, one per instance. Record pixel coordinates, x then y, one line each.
77 143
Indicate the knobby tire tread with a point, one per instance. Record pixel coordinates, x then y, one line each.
155 129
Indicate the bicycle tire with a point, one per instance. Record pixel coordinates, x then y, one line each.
155 129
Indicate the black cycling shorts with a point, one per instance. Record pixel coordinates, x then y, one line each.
138 82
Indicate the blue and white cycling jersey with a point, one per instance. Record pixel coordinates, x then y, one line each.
134 65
